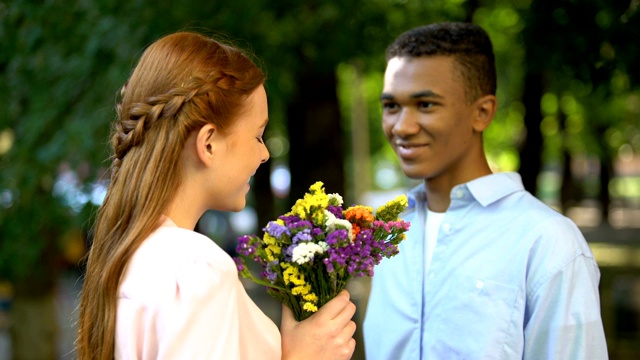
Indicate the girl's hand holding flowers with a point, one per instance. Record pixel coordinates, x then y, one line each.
329 331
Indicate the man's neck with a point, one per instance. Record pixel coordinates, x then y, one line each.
439 188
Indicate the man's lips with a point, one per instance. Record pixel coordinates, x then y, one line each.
409 151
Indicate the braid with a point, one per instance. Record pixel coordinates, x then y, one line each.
129 130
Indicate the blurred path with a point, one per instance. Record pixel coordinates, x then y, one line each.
68 291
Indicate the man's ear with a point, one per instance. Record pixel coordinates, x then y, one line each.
486 108
205 146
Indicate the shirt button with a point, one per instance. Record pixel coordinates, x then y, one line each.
446 227
479 284
459 194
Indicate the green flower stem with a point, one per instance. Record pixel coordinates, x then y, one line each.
249 275
298 312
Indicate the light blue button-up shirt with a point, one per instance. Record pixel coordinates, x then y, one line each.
510 278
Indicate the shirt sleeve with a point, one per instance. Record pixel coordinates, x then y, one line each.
563 319
183 299
191 313
202 320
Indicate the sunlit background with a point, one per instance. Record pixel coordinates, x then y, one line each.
568 122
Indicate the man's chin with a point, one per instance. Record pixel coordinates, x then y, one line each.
413 173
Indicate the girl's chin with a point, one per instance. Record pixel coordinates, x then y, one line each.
239 206
231 206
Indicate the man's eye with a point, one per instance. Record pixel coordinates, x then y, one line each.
425 104
389 106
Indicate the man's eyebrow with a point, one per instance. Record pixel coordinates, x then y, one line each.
425 93
417 95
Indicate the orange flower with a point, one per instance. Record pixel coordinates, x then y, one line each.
355 230
359 214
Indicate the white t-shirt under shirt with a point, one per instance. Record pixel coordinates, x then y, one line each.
434 219
180 298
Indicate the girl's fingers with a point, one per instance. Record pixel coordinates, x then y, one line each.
335 307
346 314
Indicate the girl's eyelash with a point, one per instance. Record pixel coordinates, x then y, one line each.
260 140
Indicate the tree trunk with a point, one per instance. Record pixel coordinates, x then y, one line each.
570 193
606 173
360 180
531 150
316 152
265 202
34 321
34 329
315 135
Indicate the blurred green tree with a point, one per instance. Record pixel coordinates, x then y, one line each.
61 65
579 53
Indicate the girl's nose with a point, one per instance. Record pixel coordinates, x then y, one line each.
265 154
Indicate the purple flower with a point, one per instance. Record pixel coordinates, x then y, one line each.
246 245
300 224
304 235
337 237
336 211
289 220
316 232
269 273
239 264
276 230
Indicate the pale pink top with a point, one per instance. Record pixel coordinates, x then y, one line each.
181 298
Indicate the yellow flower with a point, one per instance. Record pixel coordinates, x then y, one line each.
268 239
301 290
310 307
392 209
312 205
291 275
317 187
311 297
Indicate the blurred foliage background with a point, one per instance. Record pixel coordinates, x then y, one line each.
569 122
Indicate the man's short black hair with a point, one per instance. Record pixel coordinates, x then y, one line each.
468 44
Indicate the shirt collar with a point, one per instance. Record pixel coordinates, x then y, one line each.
486 189
491 188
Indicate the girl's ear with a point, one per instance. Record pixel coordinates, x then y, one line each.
205 146
485 111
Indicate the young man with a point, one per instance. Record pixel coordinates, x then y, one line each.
487 270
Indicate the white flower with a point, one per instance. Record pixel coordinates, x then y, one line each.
304 252
324 246
335 197
334 223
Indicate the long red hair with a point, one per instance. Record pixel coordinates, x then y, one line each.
181 82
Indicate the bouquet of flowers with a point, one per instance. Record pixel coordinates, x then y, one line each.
308 255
